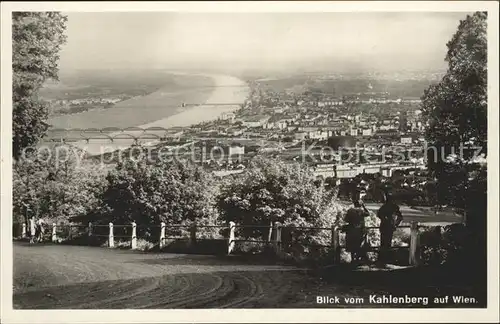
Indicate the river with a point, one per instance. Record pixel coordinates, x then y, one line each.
227 94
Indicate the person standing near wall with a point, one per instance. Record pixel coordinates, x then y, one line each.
355 228
390 217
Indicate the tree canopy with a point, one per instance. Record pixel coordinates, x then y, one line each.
37 38
55 184
170 192
273 191
456 107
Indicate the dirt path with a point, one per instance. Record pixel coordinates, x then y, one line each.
75 277
71 277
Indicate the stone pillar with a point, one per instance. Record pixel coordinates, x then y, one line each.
32 226
162 235
231 242
270 234
111 238
54 232
134 236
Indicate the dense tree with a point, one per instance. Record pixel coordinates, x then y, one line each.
272 191
171 192
37 38
456 107
55 184
456 112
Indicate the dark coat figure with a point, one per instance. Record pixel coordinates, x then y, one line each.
355 230
390 218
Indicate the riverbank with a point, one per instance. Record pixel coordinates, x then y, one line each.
140 109
227 94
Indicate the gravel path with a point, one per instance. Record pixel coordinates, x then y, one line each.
74 277
77 277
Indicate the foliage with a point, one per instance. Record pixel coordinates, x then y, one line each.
456 107
272 191
142 245
55 184
444 245
37 38
476 202
170 192
456 113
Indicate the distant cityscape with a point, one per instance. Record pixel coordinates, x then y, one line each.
164 159
337 137
280 123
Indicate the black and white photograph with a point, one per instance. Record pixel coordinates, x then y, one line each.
293 158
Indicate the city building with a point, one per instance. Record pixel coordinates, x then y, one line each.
406 140
255 121
367 132
228 116
236 150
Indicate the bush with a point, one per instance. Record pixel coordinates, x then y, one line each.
401 237
272 191
148 194
55 185
443 245
142 245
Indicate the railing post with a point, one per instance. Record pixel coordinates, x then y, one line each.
270 234
54 232
335 245
134 236
277 237
414 244
162 235
32 226
23 233
90 229
192 235
111 238
231 242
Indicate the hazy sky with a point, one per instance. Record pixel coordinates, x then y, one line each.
253 40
